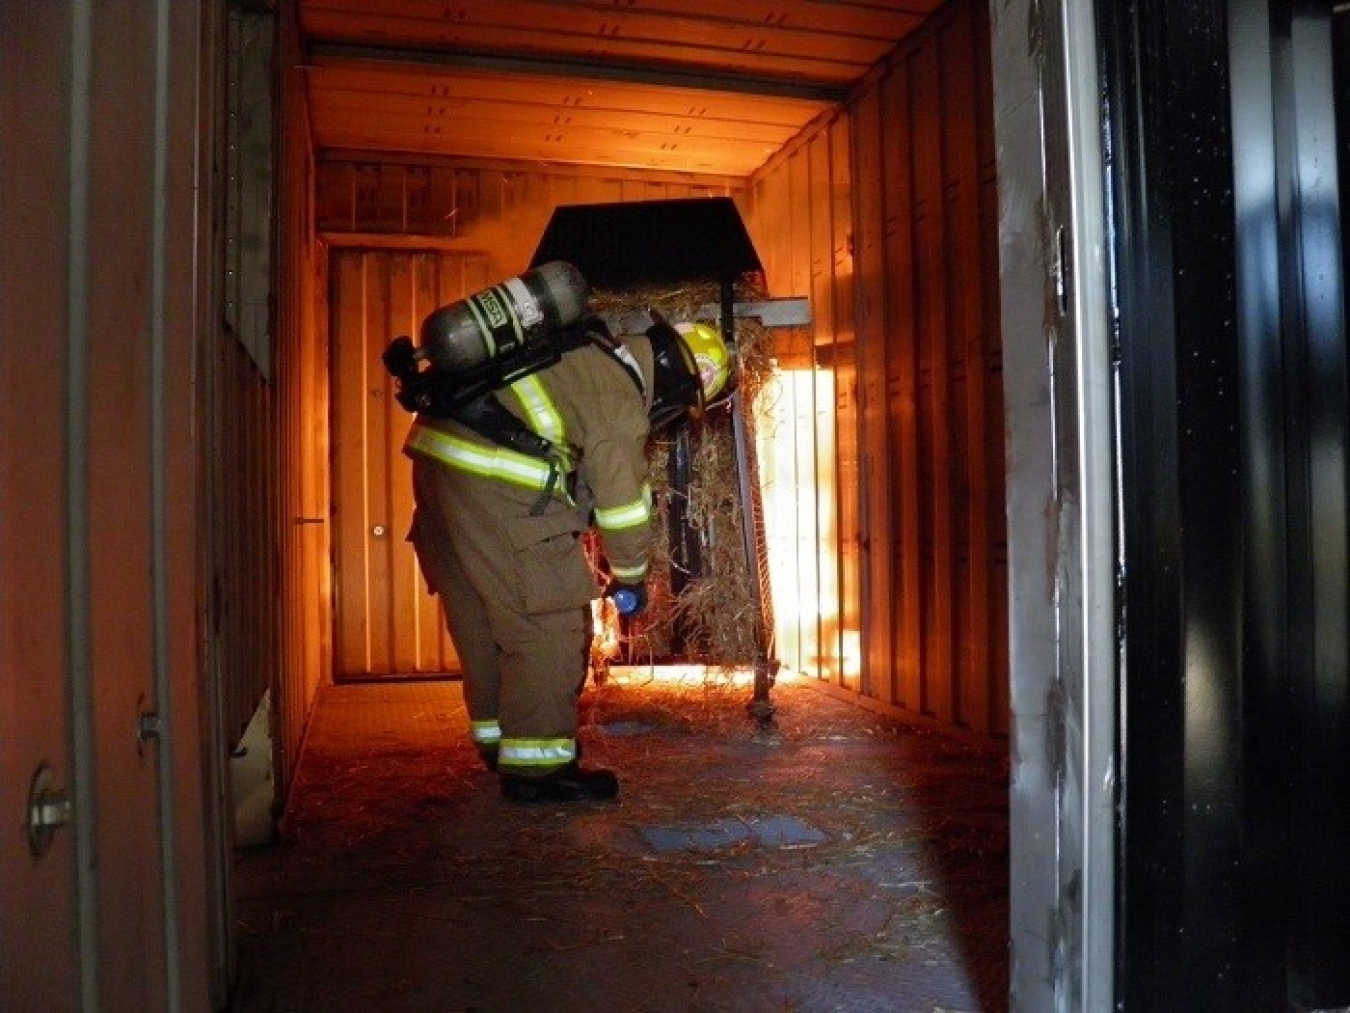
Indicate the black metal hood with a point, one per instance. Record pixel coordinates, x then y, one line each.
632 244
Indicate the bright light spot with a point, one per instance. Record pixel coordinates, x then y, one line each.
852 653
795 447
697 675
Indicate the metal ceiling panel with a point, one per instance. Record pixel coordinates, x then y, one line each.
522 116
815 40
707 86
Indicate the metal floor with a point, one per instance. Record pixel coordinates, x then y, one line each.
837 861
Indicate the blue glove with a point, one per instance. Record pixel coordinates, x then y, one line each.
628 599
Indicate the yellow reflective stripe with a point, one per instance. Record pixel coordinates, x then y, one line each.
629 515
485 732
536 752
629 574
540 412
490 462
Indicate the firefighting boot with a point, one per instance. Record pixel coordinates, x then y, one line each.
571 783
488 754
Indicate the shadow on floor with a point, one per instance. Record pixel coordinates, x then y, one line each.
839 861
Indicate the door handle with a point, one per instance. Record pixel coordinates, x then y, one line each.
49 808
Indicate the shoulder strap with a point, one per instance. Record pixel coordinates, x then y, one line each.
602 339
489 418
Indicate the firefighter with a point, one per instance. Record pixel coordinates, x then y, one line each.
502 500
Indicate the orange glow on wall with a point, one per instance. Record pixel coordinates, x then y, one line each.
795 434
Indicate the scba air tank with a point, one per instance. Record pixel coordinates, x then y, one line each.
498 321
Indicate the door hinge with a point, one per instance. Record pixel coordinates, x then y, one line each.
1062 270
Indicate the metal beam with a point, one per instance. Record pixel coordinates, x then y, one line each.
608 70
788 312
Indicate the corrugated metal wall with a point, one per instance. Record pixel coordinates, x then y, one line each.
268 463
301 583
1230 357
891 209
244 475
242 466
106 901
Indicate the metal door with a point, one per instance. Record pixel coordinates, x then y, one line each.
1235 763
100 761
1181 780
387 623
37 951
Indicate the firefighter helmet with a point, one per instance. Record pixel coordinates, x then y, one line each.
691 367
711 357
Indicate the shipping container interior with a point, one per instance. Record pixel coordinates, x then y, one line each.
254 196
420 159
421 152
216 215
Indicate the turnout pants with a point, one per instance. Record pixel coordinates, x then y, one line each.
516 591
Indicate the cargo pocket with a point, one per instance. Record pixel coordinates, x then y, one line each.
551 564
423 548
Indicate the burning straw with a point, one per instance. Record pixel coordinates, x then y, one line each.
715 617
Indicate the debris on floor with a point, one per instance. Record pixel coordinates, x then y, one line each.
837 860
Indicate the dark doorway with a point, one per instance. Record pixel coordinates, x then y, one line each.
1234 890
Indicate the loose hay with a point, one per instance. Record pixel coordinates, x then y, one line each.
400 814
717 617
